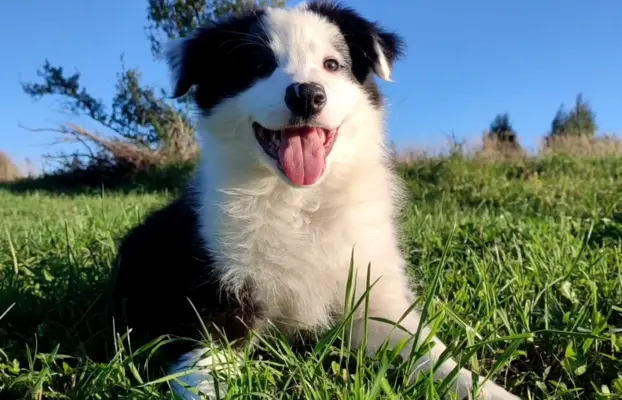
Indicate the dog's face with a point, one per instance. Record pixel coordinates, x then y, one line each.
278 84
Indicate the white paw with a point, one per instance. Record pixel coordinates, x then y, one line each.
201 384
492 391
198 386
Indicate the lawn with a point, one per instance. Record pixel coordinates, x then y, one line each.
521 263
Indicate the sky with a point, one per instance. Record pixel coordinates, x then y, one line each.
465 62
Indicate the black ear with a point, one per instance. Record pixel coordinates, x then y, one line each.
371 48
211 52
183 59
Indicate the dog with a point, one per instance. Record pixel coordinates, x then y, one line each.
295 178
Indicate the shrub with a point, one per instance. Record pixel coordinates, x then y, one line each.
8 170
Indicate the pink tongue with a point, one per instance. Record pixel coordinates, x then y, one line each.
302 155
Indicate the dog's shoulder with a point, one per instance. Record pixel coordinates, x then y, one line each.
164 281
164 248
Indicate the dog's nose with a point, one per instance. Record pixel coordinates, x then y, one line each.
305 99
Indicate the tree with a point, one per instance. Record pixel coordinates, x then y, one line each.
579 121
559 122
170 19
145 124
501 130
501 140
138 114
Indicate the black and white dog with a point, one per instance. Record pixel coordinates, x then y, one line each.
295 173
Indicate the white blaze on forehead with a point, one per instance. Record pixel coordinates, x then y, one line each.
301 39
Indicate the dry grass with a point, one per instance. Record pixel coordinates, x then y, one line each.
491 150
8 169
583 146
180 146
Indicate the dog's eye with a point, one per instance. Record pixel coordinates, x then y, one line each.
331 64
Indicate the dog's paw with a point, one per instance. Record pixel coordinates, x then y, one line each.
492 391
198 382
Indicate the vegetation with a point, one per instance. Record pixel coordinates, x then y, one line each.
501 129
501 140
579 121
521 260
517 257
8 170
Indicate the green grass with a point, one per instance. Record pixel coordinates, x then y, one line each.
521 263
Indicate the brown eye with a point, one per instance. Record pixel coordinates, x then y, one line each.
331 64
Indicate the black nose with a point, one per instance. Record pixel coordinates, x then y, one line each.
305 99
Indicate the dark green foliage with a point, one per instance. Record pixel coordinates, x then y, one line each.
558 124
170 19
144 132
502 131
579 121
137 113
607 230
95 179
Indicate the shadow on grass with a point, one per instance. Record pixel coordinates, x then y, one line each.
607 231
57 333
68 309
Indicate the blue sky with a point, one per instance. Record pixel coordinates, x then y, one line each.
466 61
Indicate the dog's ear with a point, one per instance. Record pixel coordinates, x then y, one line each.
212 52
182 56
388 47
371 47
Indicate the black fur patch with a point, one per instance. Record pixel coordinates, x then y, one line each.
227 57
162 266
223 59
360 35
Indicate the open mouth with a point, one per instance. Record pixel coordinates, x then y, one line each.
300 152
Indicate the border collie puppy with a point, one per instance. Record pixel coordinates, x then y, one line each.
295 173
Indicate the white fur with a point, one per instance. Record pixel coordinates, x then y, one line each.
295 244
201 383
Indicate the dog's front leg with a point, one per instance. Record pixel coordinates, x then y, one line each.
388 302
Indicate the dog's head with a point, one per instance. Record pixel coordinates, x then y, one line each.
279 83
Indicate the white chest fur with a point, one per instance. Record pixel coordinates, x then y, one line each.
295 245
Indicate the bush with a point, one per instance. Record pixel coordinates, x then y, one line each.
583 145
8 170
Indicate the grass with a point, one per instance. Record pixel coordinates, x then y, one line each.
519 262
